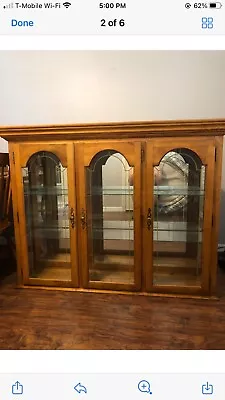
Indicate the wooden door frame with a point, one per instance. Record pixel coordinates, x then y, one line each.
21 153
216 214
155 149
14 161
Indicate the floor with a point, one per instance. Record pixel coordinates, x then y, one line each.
37 319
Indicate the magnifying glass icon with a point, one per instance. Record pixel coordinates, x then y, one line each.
144 387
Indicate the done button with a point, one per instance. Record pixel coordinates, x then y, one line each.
15 22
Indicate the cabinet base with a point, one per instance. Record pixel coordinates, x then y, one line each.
102 291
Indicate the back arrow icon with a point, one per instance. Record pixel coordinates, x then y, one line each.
80 388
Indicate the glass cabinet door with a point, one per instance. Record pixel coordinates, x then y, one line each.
109 215
181 207
49 214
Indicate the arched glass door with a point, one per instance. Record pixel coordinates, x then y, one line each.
50 215
181 216
108 216
179 191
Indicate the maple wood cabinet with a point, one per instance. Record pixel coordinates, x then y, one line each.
130 207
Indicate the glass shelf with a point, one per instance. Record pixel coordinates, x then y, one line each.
112 229
155 230
178 230
174 190
53 190
158 190
45 228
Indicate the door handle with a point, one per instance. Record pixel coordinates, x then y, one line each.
83 219
72 218
149 219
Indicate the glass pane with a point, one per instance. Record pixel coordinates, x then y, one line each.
110 219
47 223
178 219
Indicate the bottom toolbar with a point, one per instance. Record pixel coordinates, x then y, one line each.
112 386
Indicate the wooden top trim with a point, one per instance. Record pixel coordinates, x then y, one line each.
115 130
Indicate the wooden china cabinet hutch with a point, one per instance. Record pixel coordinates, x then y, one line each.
124 207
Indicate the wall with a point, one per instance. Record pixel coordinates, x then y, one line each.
68 87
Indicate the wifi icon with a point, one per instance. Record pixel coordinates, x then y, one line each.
67 4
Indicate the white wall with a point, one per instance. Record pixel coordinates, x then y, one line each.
89 86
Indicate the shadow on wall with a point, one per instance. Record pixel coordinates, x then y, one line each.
222 218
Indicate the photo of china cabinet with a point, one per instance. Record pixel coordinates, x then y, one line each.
123 207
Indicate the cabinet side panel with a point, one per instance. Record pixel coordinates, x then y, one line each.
21 216
13 152
216 213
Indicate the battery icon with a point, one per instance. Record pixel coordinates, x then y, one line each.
215 5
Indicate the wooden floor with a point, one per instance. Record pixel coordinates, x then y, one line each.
38 319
